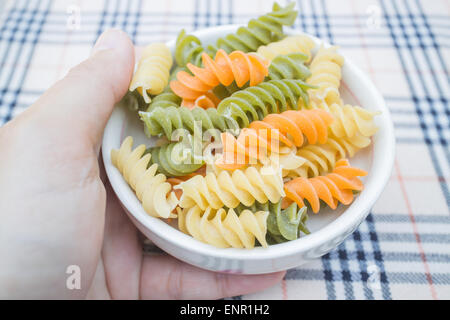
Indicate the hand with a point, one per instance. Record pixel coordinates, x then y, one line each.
55 210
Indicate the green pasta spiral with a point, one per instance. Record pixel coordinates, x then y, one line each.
166 120
164 100
289 66
188 49
175 159
258 32
254 103
282 225
232 113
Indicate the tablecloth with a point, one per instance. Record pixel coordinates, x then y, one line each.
402 250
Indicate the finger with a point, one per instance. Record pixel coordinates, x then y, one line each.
83 100
163 277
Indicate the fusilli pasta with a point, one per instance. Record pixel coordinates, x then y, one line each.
326 75
292 44
319 159
176 159
258 32
224 69
231 189
282 225
289 66
188 49
166 120
254 103
332 188
264 137
155 194
224 229
153 71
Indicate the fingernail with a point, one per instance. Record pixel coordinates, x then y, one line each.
107 40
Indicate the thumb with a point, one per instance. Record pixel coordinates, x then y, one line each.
82 101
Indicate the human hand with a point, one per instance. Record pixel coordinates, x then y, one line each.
55 210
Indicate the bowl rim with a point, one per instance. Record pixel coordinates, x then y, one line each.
351 216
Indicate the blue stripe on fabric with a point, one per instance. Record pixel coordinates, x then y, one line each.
328 277
136 21
360 256
433 37
394 277
435 161
10 42
196 14
317 32
327 22
378 257
30 22
92 14
393 218
102 20
127 14
430 64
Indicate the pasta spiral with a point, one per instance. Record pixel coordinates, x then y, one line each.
293 124
231 189
188 49
332 188
155 194
326 74
165 100
282 225
224 229
320 159
351 121
175 159
153 71
258 32
264 136
166 120
289 66
254 103
224 69
291 44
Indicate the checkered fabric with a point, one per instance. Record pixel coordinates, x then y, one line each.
402 250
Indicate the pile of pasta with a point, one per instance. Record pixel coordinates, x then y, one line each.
272 119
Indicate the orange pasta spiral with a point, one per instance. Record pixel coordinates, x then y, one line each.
223 69
332 188
264 136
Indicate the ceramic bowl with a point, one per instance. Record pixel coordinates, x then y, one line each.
328 228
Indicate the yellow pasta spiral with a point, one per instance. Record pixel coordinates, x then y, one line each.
153 71
231 189
303 44
319 159
151 189
350 121
224 229
326 74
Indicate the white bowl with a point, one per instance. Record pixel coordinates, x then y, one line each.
328 228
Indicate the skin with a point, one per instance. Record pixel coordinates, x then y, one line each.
57 209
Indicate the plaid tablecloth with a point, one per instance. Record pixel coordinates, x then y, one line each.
402 250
